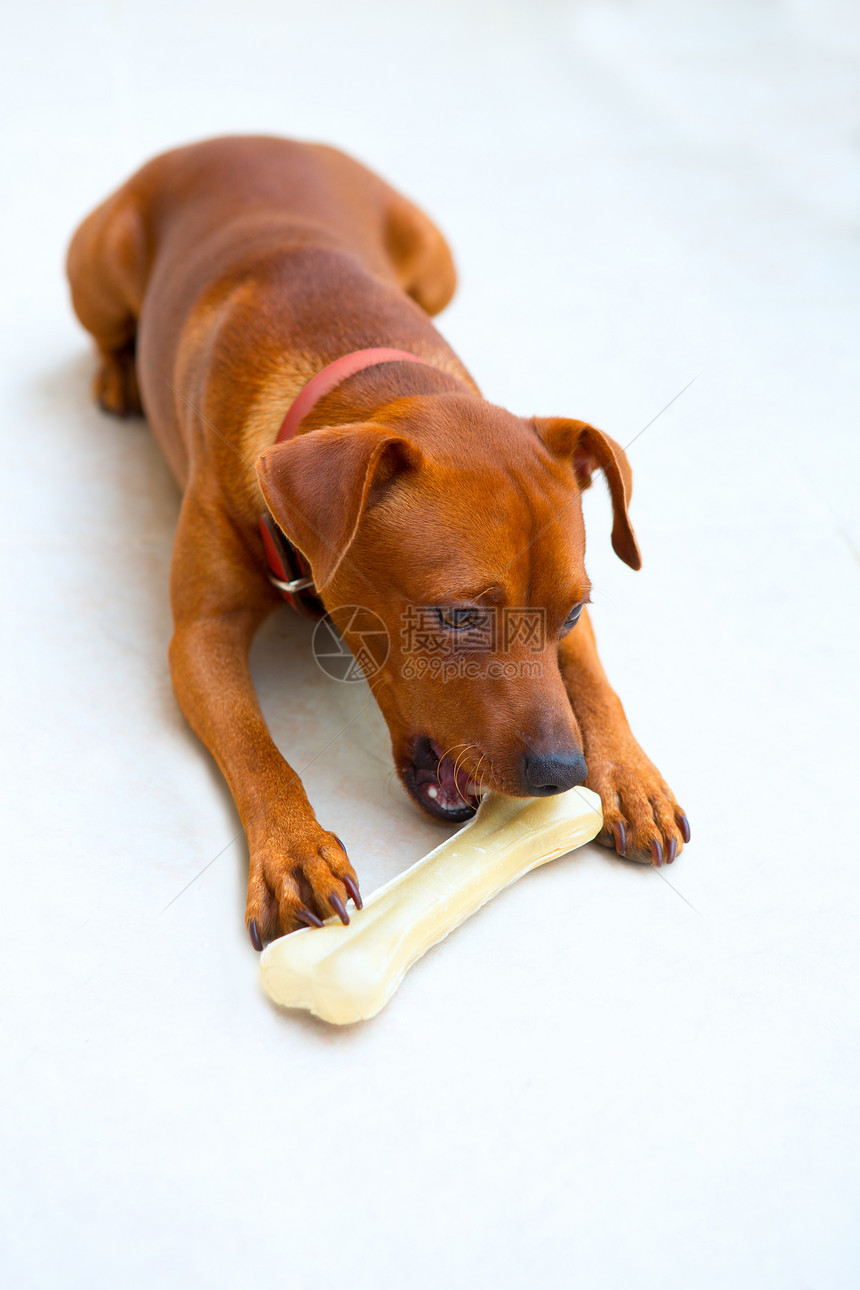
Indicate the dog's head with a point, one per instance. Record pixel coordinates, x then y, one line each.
460 526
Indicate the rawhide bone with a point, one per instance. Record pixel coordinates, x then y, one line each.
345 974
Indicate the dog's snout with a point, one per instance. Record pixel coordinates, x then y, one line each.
553 772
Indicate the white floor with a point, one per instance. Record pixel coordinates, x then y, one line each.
611 1077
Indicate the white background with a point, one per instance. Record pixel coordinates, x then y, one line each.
611 1077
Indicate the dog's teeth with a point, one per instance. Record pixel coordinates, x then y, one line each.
432 791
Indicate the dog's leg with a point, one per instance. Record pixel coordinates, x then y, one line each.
299 872
641 817
107 273
421 256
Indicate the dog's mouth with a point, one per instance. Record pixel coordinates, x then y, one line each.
439 784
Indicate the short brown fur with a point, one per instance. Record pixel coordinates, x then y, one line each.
216 282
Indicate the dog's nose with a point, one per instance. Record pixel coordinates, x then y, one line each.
547 773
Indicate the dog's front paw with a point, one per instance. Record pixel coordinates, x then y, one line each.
297 881
641 818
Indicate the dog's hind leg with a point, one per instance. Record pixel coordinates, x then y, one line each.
107 270
421 256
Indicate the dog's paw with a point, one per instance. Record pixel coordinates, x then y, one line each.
298 882
641 818
115 386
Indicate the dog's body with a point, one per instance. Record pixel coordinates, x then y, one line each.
216 283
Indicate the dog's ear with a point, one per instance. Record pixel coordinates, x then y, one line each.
319 485
589 449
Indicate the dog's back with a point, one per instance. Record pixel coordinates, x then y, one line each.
269 247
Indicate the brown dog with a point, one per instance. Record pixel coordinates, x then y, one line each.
217 282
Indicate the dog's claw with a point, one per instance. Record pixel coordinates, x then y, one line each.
642 819
352 888
338 907
304 915
254 933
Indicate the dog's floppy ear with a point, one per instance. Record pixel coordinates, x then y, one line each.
590 449
318 486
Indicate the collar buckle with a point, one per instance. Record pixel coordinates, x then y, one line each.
290 588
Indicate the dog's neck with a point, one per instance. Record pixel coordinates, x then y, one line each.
288 570
332 375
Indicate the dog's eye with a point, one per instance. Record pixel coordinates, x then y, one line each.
571 620
459 620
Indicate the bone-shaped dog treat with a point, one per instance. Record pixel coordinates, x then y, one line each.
346 974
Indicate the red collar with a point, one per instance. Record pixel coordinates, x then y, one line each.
290 571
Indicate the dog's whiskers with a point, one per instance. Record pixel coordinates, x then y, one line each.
445 754
456 768
457 764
